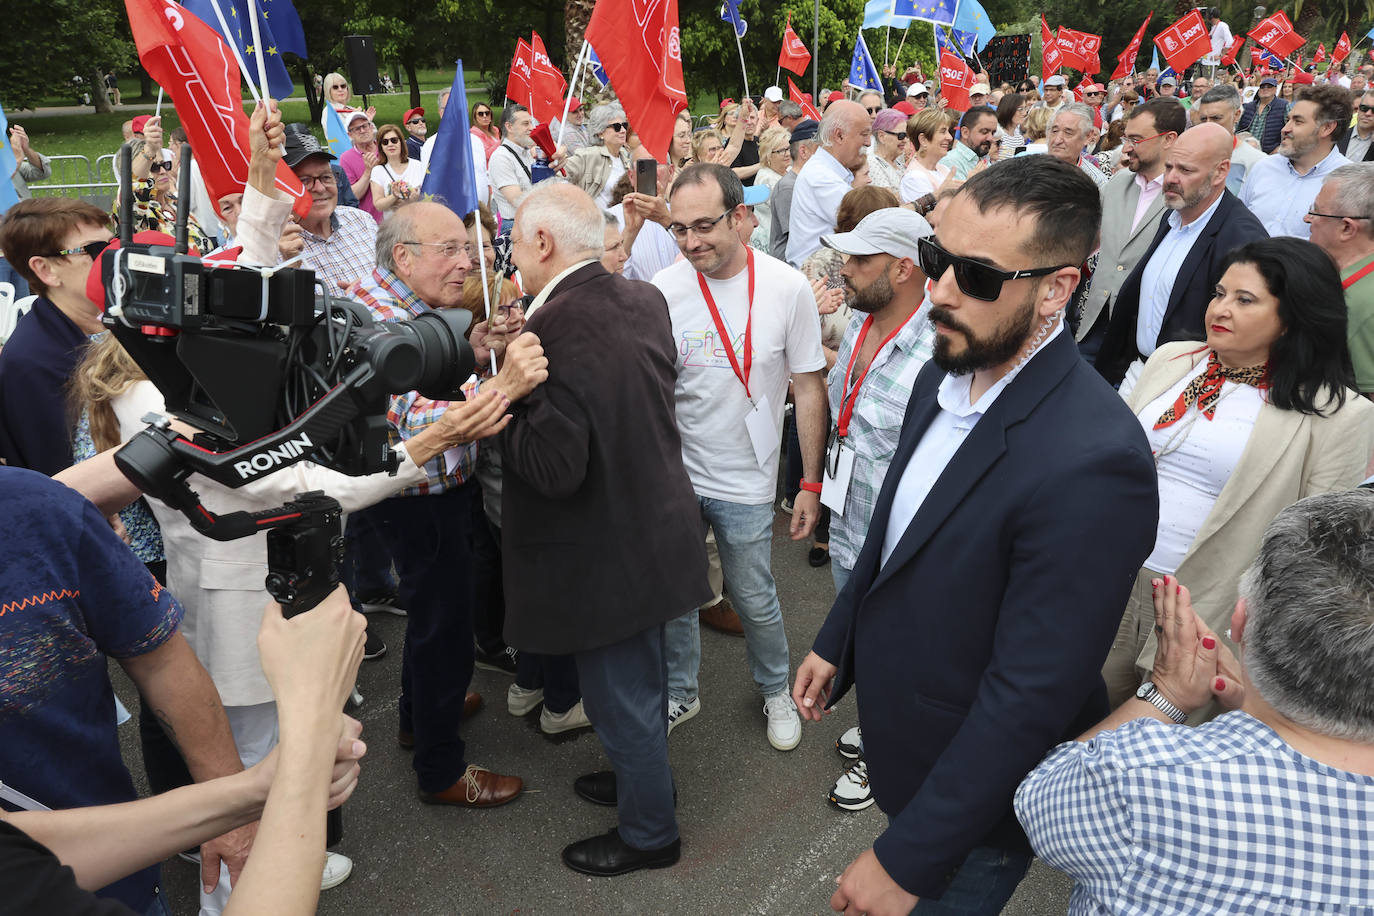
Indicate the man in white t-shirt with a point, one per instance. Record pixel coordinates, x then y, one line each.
510 165
743 322
1220 34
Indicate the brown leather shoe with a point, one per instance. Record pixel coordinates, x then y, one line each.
478 788
471 704
721 616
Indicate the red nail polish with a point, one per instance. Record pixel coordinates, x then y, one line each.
1208 642
1220 684
1178 589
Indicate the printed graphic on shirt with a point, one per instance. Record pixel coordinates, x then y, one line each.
703 349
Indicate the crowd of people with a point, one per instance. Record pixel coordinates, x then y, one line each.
982 359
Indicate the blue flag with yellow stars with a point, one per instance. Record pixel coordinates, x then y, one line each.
940 12
240 34
862 73
450 176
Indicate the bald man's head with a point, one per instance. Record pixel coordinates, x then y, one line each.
845 132
1195 169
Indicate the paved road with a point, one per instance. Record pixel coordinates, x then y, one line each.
758 834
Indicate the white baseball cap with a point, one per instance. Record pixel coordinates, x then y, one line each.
773 94
917 89
891 230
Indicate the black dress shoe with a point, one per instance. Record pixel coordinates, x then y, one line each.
599 788
818 556
607 855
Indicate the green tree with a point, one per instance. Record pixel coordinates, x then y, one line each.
47 44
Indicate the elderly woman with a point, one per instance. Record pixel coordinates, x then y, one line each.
931 138
337 94
774 158
396 179
886 157
596 168
155 191
680 147
1259 416
706 146
1034 128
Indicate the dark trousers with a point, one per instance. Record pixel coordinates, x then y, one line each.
982 886
625 694
366 567
557 674
430 540
488 595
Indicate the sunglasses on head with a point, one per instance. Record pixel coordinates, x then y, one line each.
975 279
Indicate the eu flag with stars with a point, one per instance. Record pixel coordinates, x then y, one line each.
240 34
594 67
940 12
862 73
450 176
729 12
971 17
943 43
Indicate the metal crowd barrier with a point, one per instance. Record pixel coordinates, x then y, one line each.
72 176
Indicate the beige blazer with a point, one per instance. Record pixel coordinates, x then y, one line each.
1290 455
1121 247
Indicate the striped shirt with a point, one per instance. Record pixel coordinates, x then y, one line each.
1154 818
348 254
389 299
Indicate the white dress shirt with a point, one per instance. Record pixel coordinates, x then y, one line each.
1280 196
821 185
942 441
1160 272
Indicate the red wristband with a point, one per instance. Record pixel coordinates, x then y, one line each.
810 487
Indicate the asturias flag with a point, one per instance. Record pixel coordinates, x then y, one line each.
8 195
971 17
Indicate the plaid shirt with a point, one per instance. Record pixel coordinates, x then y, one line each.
876 424
389 299
1225 818
348 254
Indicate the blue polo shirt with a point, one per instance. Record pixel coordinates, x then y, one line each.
35 364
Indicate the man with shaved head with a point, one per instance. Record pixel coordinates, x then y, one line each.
1166 296
827 177
591 455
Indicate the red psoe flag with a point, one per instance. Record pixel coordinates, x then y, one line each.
1184 42
188 59
955 79
1229 57
1080 50
547 85
641 52
1320 55
1276 33
793 55
1341 51
802 99
1051 57
1125 61
521 70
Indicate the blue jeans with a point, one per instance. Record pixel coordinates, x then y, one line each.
159 905
840 575
744 538
982 886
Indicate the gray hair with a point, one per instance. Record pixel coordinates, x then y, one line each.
1309 631
508 117
1079 109
603 116
830 123
1354 185
393 231
332 80
610 219
442 98
1224 92
576 224
789 109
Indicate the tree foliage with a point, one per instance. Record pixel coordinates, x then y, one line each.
46 44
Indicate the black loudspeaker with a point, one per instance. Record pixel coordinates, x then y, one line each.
1006 58
362 65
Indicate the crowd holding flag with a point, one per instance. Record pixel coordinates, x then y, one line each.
239 32
955 79
1185 42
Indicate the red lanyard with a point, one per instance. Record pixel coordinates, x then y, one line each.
1357 276
848 400
743 376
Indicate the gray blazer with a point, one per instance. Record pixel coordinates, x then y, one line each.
1121 247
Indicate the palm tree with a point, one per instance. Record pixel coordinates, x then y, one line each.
577 16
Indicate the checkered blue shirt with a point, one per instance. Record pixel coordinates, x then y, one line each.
389 299
877 422
1154 818
348 254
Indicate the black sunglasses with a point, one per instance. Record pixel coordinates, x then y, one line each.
92 249
416 121
483 114
618 126
976 279
159 166
1366 109
391 140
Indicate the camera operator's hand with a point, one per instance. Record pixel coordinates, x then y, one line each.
291 242
344 778
311 660
524 368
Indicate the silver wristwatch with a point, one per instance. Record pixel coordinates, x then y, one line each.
1150 694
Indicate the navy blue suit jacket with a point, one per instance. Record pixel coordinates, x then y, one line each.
979 645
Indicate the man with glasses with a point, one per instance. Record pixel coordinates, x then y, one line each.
1358 144
743 323
1131 204
415 129
1020 501
340 243
872 102
1165 297
1342 221
359 161
1222 105
1280 190
51 242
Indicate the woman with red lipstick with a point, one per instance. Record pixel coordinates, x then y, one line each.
1259 416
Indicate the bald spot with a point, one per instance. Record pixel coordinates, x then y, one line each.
849 115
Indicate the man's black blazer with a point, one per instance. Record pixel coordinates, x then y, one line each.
601 533
1344 143
1231 226
979 645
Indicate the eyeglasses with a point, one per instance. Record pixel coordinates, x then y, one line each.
976 279
1311 212
92 249
361 128
390 140
416 121
700 227
1136 141
446 249
325 180
618 126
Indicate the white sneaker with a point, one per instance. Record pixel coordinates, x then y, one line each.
337 868
852 791
521 700
851 744
551 723
681 712
784 725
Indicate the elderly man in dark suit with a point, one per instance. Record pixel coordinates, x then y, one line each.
1001 551
1165 297
602 539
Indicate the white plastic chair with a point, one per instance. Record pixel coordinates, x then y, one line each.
8 316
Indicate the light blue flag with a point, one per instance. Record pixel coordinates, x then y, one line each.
594 67
971 17
940 12
878 15
8 195
450 177
729 12
1369 34
335 131
862 73
1154 60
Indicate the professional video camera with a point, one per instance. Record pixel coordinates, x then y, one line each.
274 373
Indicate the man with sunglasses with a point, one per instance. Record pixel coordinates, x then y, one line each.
415 128
1358 144
1020 501
1342 221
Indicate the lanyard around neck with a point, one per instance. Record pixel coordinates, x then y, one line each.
741 374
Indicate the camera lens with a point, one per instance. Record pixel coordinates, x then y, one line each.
446 359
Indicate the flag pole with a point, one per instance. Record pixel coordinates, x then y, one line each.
887 43
233 47
572 87
896 61
816 51
262 52
482 270
157 112
743 72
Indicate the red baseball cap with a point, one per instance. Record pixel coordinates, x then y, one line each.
905 108
835 96
575 104
140 122
410 114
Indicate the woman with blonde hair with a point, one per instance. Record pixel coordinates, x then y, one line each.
337 94
930 136
1034 128
501 290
